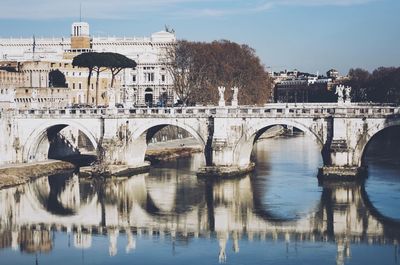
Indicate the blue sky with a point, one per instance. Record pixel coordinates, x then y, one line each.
310 35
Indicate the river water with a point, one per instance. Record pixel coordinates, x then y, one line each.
279 214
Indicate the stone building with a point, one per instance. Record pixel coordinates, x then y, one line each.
297 87
26 85
148 84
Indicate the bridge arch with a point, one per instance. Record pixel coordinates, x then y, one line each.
365 139
245 145
34 139
157 125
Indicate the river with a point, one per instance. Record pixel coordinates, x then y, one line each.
279 214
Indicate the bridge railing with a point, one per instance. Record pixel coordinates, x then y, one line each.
268 110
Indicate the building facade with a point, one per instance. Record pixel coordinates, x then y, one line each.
298 87
148 84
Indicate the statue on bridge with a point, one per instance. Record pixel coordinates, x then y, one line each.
235 96
339 92
34 103
130 97
12 97
221 102
348 91
81 96
343 94
111 97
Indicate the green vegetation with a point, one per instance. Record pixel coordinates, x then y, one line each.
99 62
57 79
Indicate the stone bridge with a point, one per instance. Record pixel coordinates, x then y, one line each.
226 134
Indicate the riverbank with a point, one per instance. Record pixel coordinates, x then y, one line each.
156 152
163 151
13 175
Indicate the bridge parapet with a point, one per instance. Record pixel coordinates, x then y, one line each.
269 110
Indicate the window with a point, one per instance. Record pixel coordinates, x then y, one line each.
134 78
73 85
163 78
149 77
80 85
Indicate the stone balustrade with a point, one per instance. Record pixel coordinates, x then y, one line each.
269 110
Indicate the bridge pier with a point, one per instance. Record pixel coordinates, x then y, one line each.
224 136
223 162
341 166
341 163
118 152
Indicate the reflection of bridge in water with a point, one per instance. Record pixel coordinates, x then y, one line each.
163 206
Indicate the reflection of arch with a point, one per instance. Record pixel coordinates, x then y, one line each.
61 195
158 125
390 225
268 213
244 146
152 209
364 141
33 141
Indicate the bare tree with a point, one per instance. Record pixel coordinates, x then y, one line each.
382 85
198 68
187 73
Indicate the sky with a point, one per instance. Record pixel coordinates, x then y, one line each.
308 35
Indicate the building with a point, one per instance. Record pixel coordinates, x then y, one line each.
148 84
332 73
300 87
26 85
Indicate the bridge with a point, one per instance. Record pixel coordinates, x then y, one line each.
226 134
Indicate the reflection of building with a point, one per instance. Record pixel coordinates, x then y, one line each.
132 207
82 240
148 83
32 240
